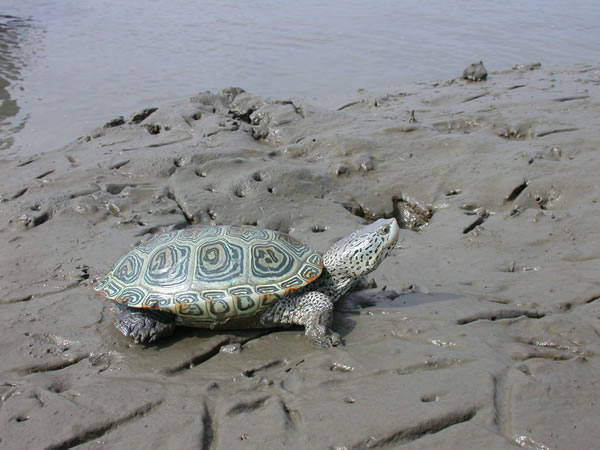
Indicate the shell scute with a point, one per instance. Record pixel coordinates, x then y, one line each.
168 266
219 262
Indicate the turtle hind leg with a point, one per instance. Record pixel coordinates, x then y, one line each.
313 310
143 325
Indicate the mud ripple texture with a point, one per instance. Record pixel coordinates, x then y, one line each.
483 330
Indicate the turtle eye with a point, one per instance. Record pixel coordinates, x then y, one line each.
385 230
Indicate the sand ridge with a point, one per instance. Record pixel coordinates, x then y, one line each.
483 327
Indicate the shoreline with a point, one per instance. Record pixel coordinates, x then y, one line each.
482 330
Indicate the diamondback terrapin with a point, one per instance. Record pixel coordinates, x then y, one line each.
233 276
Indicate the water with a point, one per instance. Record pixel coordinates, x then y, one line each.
68 66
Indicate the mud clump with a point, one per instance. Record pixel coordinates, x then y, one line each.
475 72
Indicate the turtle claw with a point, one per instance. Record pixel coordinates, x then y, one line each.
140 325
331 340
321 337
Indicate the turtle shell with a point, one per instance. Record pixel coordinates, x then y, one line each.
207 275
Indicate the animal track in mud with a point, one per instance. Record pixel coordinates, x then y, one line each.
474 224
208 435
84 435
45 174
500 315
568 99
559 130
516 192
248 407
27 162
475 97
198 359
51 366
18 194
57 289
24 298
213 351
428 426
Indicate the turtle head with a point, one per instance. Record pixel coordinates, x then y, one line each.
361 252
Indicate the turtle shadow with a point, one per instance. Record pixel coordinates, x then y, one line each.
217 338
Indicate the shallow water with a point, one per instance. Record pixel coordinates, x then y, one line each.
66 67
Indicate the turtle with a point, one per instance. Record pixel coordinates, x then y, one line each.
239 276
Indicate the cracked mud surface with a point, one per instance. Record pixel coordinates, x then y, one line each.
483 329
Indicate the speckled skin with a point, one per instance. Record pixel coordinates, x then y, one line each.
345 263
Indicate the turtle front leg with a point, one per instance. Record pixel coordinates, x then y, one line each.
143 325
313 310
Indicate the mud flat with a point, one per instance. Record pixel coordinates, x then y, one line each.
483 330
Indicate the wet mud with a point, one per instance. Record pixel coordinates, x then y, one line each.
480 330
